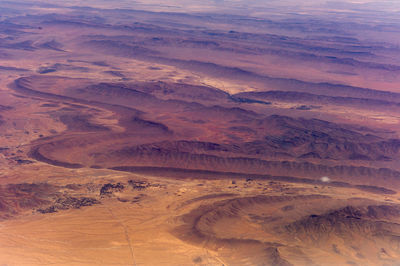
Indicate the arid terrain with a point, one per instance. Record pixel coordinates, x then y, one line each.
187 133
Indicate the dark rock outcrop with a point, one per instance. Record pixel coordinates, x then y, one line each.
109 189
66 203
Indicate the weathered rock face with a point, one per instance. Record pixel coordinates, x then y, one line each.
138 185
68 202
369 221
362 231
45 198
42 197
17 198
108 189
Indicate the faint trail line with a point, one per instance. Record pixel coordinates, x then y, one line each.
126 236
212 256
